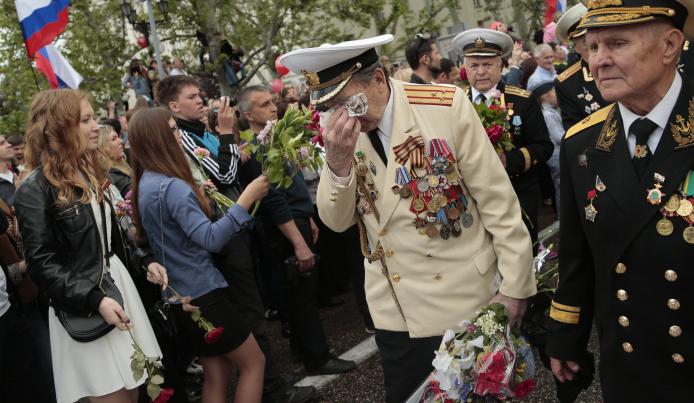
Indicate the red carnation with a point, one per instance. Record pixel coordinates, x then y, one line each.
164 395
318 138
494 107
495 133
524 388
463 75
213 335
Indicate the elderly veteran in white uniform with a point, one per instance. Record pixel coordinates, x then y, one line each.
440 224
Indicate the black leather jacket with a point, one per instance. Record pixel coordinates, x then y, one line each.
62 247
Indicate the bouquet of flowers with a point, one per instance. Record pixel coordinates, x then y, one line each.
285 146
495 119
486 361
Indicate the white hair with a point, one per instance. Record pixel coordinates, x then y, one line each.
537 52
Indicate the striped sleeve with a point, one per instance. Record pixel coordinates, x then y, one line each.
225 175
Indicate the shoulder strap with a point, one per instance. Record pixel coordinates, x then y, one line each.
161 225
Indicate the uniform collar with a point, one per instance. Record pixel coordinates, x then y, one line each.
658 115
487 94
385 125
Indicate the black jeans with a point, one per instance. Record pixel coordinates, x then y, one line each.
307 331
406 362
237 264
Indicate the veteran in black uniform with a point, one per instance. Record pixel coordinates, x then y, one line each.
627 187
483 50
577 93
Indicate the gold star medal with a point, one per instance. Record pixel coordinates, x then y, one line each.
654 196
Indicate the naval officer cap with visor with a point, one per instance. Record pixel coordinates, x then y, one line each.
483 42
609 13
328 68
567 26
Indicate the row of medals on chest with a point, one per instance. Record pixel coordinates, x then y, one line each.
677 206
438 201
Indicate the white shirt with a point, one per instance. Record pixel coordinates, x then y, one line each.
8 176
4 298
658 115
476 94
384 130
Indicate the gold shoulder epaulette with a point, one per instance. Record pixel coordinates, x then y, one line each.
569 72
593 119
428 94
510 89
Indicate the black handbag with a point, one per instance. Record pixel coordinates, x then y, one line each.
90 327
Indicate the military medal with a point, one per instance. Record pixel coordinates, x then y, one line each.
362 170
434 181
654 196
599 185
640 151
672 204
583 160
455 228
685 208
432 232
445 232
453 213
664 227
591 211
372 167
467 220
422 185
418 205
688 235
402 178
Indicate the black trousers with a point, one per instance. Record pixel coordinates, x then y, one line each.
529 199
307 335
406 362
237 264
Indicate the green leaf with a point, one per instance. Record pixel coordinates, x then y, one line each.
157 379
153 391
138 373
247 136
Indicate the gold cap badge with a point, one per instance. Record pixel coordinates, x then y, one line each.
479 42
311 78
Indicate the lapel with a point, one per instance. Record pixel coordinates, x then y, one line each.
403 126
614 166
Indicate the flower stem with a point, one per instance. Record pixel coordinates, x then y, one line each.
255 208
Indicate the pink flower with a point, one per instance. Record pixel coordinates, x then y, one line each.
201 153
495 133
303 153
524 388
265 135
213 335
463 75
318 138
495 93
164 395
129 195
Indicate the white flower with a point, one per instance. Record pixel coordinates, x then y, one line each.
447 336
487 322
265 135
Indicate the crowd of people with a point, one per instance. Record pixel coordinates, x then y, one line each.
111 245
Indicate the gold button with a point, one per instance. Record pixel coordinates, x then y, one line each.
627 347
623 320
675 331
383 232
677 358
621 268
438 276
429 255
673 304
390 253
622 295
332 199
670 275
396 277
333 193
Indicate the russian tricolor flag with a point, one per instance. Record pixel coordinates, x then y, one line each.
56 68
41 21
552 6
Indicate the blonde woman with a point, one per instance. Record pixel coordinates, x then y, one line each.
112 159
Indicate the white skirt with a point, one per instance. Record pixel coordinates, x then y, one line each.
102 366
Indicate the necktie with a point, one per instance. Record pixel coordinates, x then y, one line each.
642 129
378 145
481 99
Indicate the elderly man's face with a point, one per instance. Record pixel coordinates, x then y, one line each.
627 61
483 73
376 92
546 59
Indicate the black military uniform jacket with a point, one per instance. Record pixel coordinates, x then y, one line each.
529 135
636 284
577 94
686 65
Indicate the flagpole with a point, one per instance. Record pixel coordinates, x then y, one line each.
155 38
33 73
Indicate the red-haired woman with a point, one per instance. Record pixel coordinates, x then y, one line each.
172 212
71 243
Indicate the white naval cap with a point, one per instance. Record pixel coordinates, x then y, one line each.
328 68
567 24
483 42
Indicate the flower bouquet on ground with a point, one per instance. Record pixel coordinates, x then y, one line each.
486 362
495 120
284 147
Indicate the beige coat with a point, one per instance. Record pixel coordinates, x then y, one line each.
438 282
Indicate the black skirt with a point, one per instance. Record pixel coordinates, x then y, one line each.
217 309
